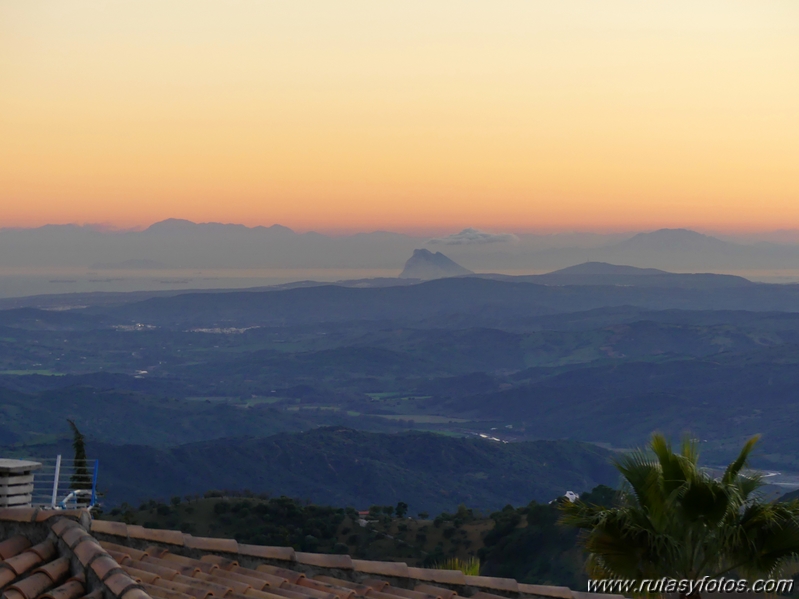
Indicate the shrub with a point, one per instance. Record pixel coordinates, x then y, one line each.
470 566
340 548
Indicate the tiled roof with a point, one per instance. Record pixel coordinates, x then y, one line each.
175 562
66 555
50 554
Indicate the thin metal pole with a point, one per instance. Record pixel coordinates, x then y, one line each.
55 480
94 482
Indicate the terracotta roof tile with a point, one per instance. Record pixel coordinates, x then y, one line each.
141 575
18 514
69 590
251 581
545 591
73 536
169 565
162 571
191 590
135 594
23 562
34 585
384 594
297 588
135 531
283 553
273 592
253 594
215 588
163 593
375 583
13 594
119 582
170 537
324 560
44 515
88 550
397 592
268 579
488 582
13 546
260 595
57 570
103 566
173 558
133 553
291 575
62 525
381 568
223 562
360 589
155 551
74 514
45 550
216 584
119 529
338 591
7 575
483 595
434 590
434 575
120 558
209 544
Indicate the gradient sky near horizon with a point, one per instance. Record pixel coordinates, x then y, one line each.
411 115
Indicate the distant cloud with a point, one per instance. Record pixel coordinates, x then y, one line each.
472 236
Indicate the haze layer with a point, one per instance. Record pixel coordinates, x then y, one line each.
414 115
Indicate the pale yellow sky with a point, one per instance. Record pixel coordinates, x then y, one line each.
515 115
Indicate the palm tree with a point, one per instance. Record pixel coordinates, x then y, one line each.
672 519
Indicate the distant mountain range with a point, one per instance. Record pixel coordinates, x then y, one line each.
184 244
476 300
602 273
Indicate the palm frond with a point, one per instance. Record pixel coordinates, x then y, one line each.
735 467
674 519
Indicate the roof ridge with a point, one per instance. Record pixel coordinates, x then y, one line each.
95 551
325 560
78 542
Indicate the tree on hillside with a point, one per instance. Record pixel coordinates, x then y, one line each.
401 509
81 478
673 519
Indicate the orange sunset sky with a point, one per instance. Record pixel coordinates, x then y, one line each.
408 115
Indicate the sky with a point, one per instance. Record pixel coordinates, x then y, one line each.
408 116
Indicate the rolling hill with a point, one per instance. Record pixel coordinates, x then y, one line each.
344 467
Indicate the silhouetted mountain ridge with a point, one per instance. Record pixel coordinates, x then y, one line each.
603 273
603 268
425 265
